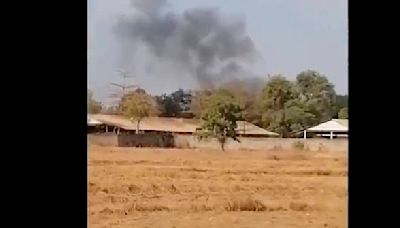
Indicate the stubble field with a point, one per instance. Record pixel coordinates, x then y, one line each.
142 187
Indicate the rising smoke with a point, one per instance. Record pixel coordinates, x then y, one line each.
203 42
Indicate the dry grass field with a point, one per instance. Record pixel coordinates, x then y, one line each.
143 187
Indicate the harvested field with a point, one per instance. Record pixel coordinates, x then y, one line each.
143 187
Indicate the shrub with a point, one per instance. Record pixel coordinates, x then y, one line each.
298 145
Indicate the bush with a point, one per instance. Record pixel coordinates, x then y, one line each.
298 145
300 206
248 204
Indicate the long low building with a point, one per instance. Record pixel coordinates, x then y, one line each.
172 125
92 122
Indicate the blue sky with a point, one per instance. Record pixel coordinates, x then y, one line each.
291 35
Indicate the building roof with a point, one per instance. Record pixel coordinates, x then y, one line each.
334 125
169 124
92 122
246 128
344 122
150 123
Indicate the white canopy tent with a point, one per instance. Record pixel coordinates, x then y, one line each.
334 126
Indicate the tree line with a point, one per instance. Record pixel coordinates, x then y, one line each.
277 104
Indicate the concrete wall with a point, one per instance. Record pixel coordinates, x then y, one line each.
313 144
189 141
146 140
124 140
104 139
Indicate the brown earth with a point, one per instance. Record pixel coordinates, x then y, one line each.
131 187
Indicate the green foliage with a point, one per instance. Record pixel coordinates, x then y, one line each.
279 105
276 94
287 107
219 117
138 105
168 106
343 113
298 118
93 106
247 93
175 103
342 101
318 94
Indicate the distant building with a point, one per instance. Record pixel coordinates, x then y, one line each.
120 124
117 130
93 125
333 128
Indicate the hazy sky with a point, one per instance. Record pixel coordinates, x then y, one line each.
291 35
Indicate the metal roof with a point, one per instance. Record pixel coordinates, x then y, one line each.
246 128
169 124
149 123
92 122
334 125
344 122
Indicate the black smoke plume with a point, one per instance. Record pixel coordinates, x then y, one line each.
210 46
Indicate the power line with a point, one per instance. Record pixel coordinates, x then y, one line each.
124 86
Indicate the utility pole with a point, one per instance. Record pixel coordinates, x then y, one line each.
124 86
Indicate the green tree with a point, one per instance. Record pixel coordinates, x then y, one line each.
220 116
138 105
317 94
298 118
168 107
287 107
247 92
343 113
273 104
183 99
93 106
174 104
342 101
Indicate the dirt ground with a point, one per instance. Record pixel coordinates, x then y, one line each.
132 187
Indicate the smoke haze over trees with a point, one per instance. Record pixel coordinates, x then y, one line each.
215 51
308 37
275 103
